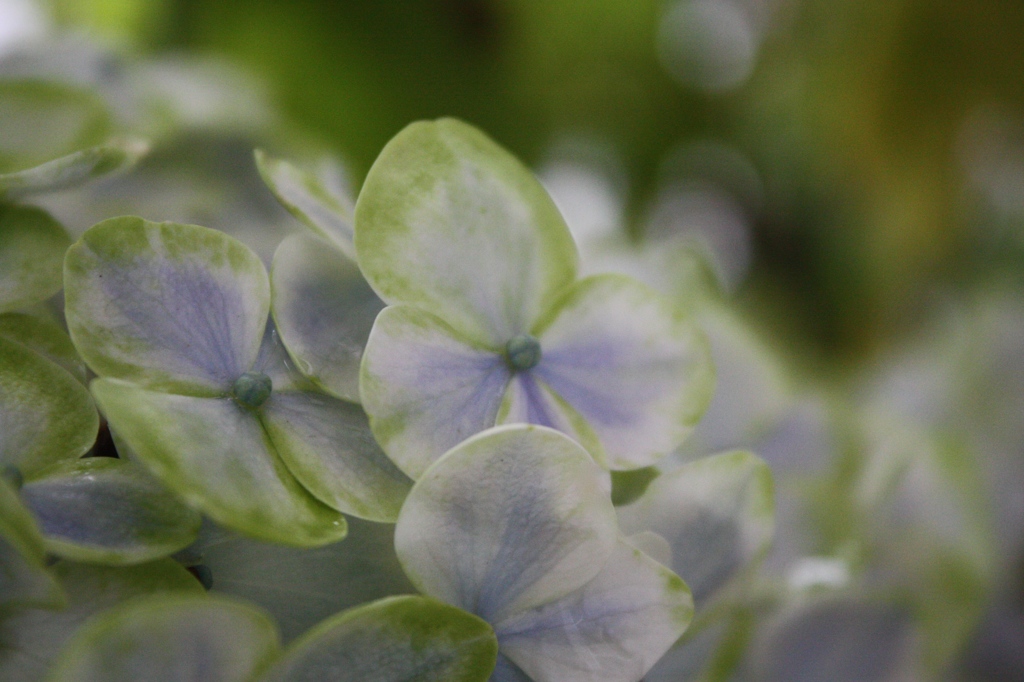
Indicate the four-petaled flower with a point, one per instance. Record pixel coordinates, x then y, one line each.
488 325
174 318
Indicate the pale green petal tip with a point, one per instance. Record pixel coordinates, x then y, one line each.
402 637
32 247
75 168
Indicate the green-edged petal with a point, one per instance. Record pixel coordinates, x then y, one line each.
324 310
398 638
328 447
32 638
425 388
319 199
632 367
32 246
74 168
508 520
45 337
110 511
449 221
717 513
170 638
173 307
615 628
41 120
46 415
24 580
302 586
215 454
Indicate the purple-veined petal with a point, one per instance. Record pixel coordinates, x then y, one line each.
621 357
614 628
172 307
425 388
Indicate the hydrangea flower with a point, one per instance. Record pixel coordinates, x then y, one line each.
487 324
516 526
173 318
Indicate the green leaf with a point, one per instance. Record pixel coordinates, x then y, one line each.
75 168
169 638
41 121
399 638
32 246
328 447
172 307
452 223
302 586
45 337
319 199
511 519
215 454
30 639
324 310
717 513
24 580
110 511
46 415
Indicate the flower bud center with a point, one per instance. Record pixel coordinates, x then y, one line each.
522 352
252 389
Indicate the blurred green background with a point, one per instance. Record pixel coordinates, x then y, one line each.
883 132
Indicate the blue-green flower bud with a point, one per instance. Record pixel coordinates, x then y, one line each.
252 389
522 352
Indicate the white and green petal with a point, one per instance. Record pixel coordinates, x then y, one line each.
172 307
717 513
301 587
319 199
633 368
105 510
398 638
167 638
44 336
615 628
75 168
43 120
327 445
449 221
46 415
24 580
32 246
33 637
511 519
324 310
216 455
425 388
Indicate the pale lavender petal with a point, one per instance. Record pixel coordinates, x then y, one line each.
426 389
172 307
614 629
621 357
